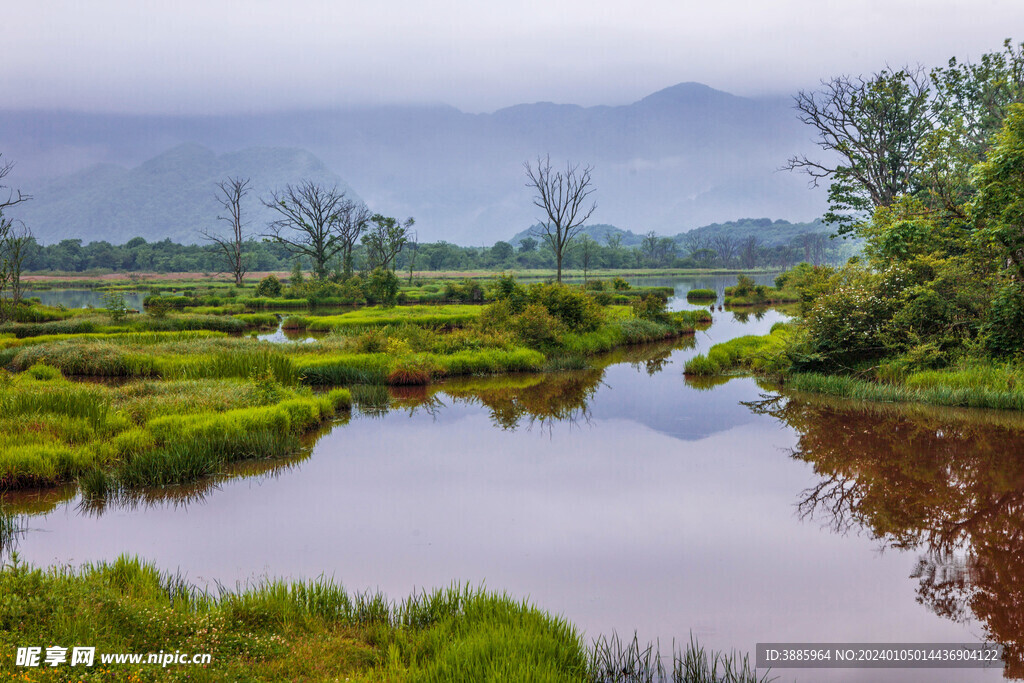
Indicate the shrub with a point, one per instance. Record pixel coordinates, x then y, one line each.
159 308
506 289
467 291
269 287
744 285
381 286
115 306
43 372
296 278
535 325
620 284
574 308
1004 329
495 316
650 307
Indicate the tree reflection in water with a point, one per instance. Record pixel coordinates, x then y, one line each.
947 482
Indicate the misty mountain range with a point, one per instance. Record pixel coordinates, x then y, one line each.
680 158
769 233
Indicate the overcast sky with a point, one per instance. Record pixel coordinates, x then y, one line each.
210 56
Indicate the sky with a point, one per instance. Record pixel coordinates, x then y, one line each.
221 56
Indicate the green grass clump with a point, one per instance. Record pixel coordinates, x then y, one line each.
135 338
701 295
257 320
268 630
765 354
88 358
413 368
229 361
70 326
453 315
933 392
342 369
151 433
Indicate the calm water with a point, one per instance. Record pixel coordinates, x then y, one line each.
82 298
624 498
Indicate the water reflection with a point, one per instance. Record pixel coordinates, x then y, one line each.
82 298
512 401
946 483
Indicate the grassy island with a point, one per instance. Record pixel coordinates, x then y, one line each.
185 393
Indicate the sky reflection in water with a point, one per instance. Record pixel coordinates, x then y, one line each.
623 498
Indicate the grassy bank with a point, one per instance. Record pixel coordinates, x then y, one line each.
314 631
970 383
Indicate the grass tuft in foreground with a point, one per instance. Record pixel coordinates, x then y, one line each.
316 630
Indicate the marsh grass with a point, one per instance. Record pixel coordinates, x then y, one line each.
614 661
452 315
566 363
701 295
148 433
371 399
766 354
267 629
12 527
958 393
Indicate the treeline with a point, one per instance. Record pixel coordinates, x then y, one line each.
721 251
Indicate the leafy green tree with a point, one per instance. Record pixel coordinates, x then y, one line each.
588 251
527 245
874 126
999 205
502 251
382 286
385 238
269 287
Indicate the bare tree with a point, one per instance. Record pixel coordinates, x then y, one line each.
726 247
12 241
13 196
230 193
353 217
15 246
694 242
650 247
309 223
750 250
562 196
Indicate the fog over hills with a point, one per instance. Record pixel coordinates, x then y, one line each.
171 195
683 157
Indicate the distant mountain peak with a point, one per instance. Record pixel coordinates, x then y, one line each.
688 93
